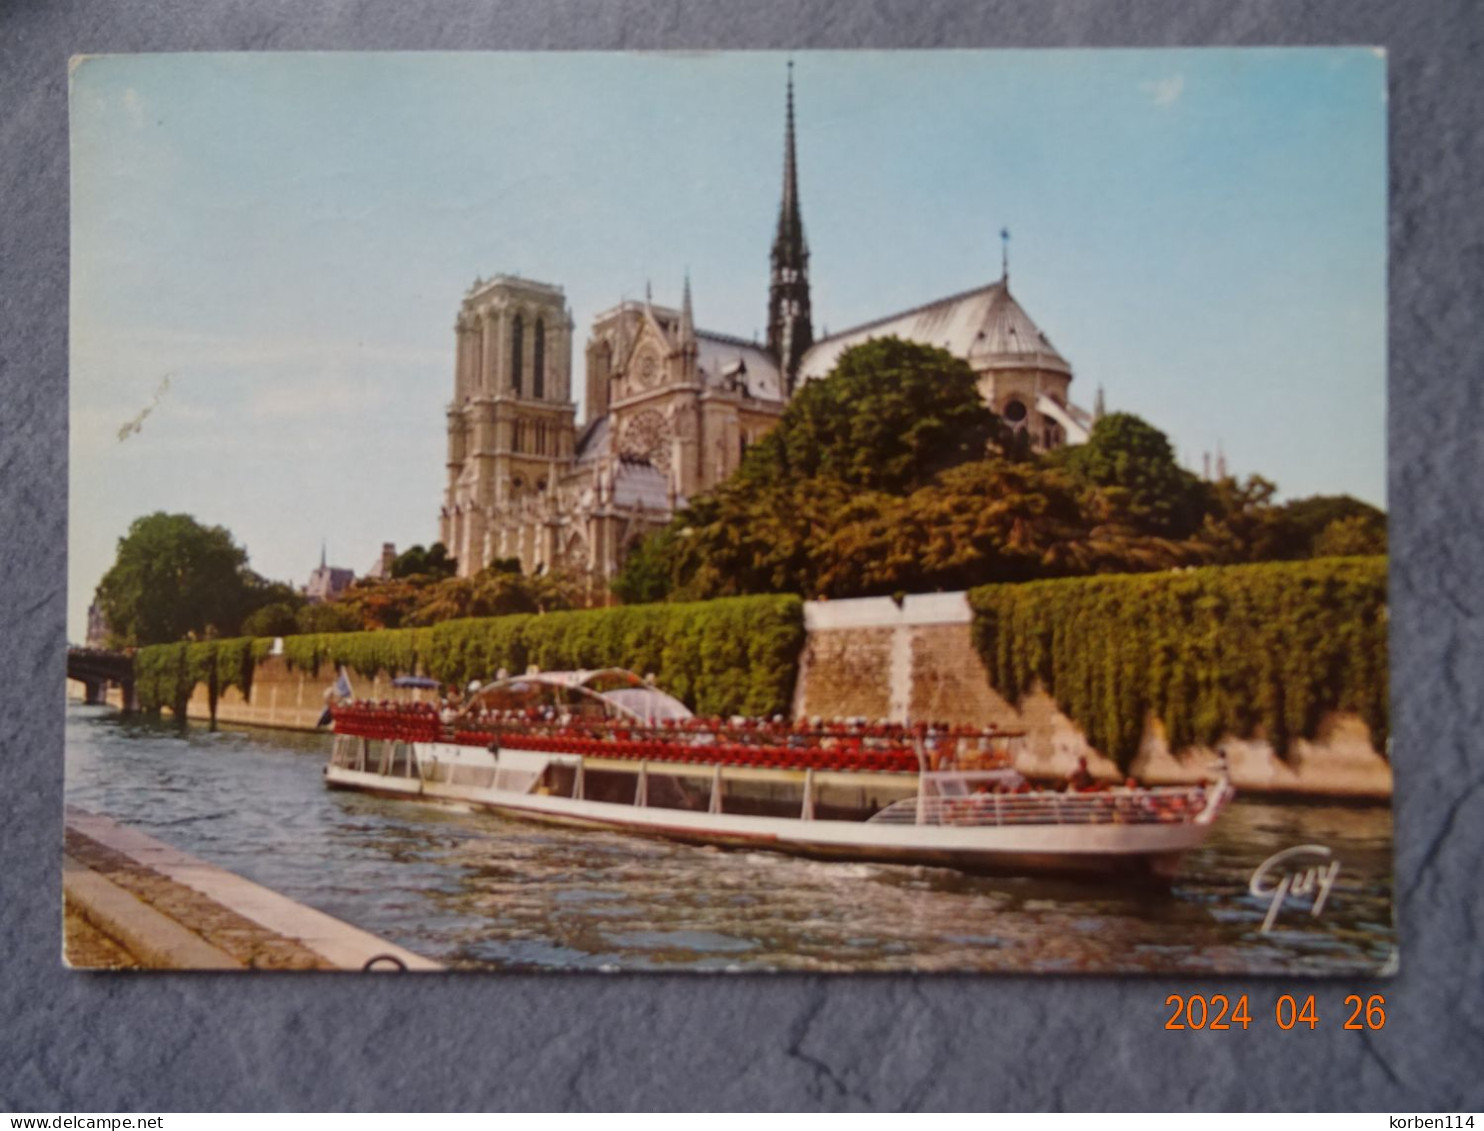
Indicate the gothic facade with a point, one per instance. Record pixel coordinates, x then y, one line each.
671 408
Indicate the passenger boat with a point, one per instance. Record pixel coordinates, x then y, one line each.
607 749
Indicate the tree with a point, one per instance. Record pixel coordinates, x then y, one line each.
645 576
173 578
418 562
326 618
1335 525
1353 535
271 620
890 416
1131 462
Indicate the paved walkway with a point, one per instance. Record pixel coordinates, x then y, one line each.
136 901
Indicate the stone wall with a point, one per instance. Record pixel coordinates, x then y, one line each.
284 697
874 658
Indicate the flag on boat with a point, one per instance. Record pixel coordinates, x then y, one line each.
339 692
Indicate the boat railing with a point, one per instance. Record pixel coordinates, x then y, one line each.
883 748
1159 805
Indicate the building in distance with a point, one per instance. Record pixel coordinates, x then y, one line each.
671 408
327 582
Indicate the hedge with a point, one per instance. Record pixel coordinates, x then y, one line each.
738 655
165 674
1252 651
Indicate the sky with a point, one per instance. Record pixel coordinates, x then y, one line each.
269 250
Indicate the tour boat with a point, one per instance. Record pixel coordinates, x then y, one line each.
607 749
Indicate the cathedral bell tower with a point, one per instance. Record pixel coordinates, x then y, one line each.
790 329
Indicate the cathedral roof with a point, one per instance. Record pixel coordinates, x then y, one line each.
721 358
985 326
637 482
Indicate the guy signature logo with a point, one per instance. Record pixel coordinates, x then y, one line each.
1296 871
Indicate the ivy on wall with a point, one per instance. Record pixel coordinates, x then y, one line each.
734 656
1253 650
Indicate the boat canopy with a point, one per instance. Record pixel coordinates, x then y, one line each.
418 681
607 692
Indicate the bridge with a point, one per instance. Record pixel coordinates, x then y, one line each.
97 668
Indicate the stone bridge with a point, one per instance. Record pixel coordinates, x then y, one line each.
96 669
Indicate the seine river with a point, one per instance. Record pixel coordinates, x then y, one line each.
475 890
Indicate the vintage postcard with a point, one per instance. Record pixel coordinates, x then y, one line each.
881 511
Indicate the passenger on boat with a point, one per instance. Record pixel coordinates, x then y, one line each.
1079 779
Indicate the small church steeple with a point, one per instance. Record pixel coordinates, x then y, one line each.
790 327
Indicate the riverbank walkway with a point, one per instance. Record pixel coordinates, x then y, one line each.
134 902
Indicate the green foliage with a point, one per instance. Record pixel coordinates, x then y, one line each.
1308 519
889 417
1353 536
161 676
1142 485
173 577
1259 650
420 600
320 618
418 562
645 576
720 658
271 620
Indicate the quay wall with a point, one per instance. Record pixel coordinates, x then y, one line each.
876 659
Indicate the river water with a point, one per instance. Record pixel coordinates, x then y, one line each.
480 891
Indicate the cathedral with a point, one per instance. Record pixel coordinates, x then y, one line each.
671 408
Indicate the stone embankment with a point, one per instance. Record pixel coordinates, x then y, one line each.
133 902
879 660
874 658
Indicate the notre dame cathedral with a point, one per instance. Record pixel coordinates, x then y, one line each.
671 408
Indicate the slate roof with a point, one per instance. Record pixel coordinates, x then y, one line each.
985 326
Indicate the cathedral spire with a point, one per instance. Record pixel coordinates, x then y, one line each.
790 329
687 334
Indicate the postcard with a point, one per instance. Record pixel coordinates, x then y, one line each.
850 511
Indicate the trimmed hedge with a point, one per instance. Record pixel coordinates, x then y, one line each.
734 656
1251 651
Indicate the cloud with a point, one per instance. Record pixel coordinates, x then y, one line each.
1166 91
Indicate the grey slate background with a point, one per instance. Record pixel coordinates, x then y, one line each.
83 1042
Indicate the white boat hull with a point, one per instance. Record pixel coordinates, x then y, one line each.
1152 850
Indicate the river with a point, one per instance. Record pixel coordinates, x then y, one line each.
479 891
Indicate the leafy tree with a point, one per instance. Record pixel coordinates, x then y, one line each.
1311 518
418 562
1244 525
889 417
173 578
645 576
1132 463
271 620
382 604
1352 536
331 617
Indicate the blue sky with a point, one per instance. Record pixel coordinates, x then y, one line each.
269 250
